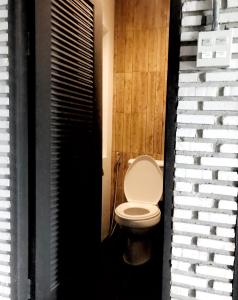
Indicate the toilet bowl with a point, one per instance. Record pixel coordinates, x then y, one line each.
143 189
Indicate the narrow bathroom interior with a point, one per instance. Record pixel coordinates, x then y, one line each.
135 62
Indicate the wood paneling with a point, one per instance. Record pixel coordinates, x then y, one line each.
140 81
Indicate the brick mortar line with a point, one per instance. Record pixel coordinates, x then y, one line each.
207 84
204 127
204 223
200 262
209 290
205 167
215 113
229 212
206 181
210 140
201 276
206 195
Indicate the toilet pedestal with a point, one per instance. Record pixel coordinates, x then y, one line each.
138 250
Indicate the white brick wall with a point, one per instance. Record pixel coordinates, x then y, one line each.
206 165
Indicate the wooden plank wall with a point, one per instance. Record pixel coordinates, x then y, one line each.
140 80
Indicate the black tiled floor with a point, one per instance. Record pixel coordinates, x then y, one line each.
119 281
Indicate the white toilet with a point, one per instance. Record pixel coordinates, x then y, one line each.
143 188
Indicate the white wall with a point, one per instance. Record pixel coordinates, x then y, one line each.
205 195
108 54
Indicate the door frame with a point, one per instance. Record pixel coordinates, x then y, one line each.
170 140
18 98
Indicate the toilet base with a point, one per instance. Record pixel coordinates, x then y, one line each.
138 250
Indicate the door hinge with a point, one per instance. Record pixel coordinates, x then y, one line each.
28 289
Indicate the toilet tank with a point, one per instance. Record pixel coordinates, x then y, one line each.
160 163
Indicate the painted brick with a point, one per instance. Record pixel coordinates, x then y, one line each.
216 81
190 254
186 132
188 105
184 186
189 36
196 119
220 105
225 232
184 159
5 204
3 25
183 214
192 173
229 148
3 37
198 91
182 239
210 271
196 5
4 124
5 182
193 281
234 48
221 76
192 228
4 62
179 265
192 21
4 148
4 101
187 91
222 286
5 215
218 189
194 201
230 205
3 75
5 136
231 91
213 244
179 291
4 89
5 225
3 14
3 2
231 120
219 162
189 77
220 134
4 113
224 259
217 218
203 295
199 147
5 171
231 176
232 3
228 17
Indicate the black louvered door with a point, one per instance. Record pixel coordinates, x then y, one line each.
67 150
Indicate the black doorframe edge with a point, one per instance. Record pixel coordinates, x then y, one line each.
18 146
170 131
235 279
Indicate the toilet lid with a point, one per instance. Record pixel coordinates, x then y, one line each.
143 181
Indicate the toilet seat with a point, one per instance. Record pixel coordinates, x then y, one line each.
137 221
137 211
